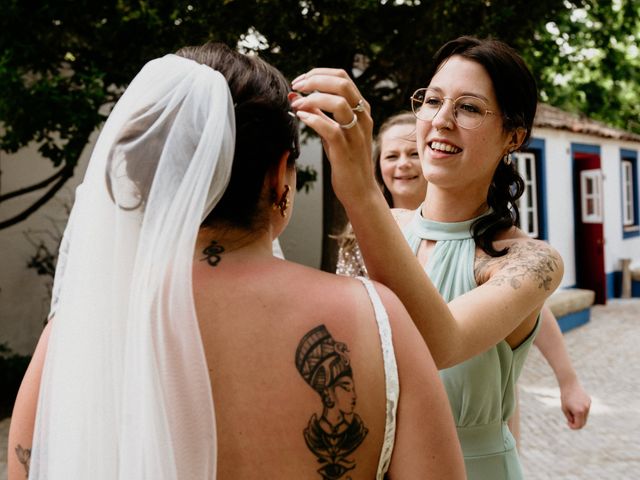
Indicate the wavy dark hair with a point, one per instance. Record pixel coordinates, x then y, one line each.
517 96
265 129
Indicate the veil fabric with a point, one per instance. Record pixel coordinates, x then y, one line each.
125 391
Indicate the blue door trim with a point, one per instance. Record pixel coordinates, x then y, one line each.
539 145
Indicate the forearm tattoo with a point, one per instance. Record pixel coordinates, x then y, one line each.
24 457
525 260
212 253
325 366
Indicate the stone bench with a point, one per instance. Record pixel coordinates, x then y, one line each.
571 306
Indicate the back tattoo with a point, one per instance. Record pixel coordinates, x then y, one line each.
325 366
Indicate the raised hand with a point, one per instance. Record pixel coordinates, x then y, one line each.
332 106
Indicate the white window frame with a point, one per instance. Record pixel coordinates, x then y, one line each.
530 195
595 176
627 194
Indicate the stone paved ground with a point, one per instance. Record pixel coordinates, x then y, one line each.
606 354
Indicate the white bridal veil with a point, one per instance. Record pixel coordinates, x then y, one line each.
125 391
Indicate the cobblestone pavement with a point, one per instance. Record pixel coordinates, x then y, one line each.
606 354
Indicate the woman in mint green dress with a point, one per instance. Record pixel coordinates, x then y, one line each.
477 109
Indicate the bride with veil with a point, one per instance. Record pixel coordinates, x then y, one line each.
172 302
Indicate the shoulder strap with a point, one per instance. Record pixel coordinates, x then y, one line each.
391 377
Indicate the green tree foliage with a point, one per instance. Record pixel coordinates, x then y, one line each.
587 61
397 38
63 61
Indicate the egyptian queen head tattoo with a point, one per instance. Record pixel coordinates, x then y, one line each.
325 366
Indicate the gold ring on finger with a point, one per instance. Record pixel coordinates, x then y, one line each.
349 125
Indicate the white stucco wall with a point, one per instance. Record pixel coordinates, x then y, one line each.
302 240
617 247
560 209
559 193
24 300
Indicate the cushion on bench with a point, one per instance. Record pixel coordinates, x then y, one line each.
570 300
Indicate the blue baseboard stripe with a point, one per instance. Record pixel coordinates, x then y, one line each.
614 282
614 285
573 320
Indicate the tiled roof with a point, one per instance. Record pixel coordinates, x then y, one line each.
552 117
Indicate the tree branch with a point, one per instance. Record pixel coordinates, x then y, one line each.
34 187
65 173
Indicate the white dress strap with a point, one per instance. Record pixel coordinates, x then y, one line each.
391 377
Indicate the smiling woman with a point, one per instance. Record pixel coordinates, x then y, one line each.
478 309
399 174
397 163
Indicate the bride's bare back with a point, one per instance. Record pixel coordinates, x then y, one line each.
272 332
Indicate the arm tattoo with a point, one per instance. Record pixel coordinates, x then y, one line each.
325 366
24 457
533 260
481 265
212 253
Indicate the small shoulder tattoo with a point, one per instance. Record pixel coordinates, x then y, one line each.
24 457
529 259
481 266
212 253
324 364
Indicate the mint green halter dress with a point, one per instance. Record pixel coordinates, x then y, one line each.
481 390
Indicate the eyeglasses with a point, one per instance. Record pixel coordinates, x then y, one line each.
468 111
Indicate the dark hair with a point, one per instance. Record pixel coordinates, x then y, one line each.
517 96
265 129
402 118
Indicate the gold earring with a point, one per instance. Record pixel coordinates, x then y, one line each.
283 203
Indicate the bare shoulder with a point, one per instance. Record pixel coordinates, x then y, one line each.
406 338
348 298
527 262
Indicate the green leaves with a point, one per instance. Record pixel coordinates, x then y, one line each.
587 61
61 61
